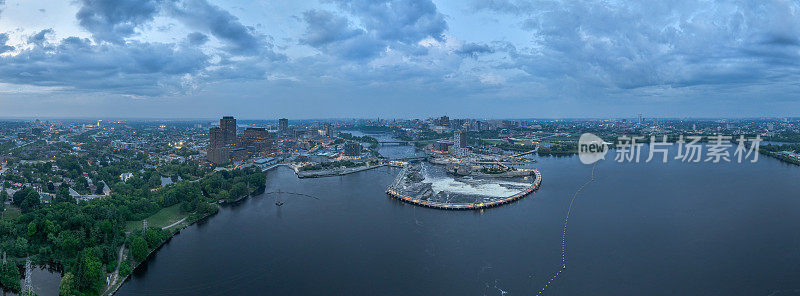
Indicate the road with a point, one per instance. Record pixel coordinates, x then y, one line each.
115 275
173 224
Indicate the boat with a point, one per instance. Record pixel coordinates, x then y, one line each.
278 202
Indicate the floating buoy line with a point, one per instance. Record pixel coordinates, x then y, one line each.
564 235
279 202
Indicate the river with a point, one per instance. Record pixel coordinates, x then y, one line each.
638 229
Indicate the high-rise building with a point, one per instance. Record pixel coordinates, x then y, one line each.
283 126
217 152
352 149
224 145
459 139
330 131
228 126
457 123
257 141
478 126
459 143
444 121
222 141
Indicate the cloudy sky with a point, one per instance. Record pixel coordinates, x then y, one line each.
399 58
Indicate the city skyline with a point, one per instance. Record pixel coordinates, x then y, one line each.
345 59
399 147
434 116
102 197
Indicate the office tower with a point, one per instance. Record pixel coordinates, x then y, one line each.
222 141
329 130
228 126
352 149
258 141
479 125
457 123
444 121
217 152
283 126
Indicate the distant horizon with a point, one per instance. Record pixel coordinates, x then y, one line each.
23 118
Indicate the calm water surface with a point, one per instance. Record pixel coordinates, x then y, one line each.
639 229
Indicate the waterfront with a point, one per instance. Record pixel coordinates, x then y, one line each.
403 147
391 150
648 228
417 185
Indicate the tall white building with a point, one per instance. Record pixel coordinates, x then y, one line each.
459 143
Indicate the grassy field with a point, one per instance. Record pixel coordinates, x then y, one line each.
11 212
164 217
492 142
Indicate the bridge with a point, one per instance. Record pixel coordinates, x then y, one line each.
402 142
264 169
526 153
413 158
398 142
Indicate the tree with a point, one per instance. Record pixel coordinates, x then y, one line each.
189 205
20 195
9 276
85 236
63 195
135 181
26 199
106 227
223 194
256 180
239 190
67 285
204 208
100 186
19 247
155 236
31 228
3 199
154 181
92 274
139 248
82 183
124 268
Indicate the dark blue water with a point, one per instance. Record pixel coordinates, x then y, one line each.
639 229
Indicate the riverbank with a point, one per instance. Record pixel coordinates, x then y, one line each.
781 157
335 172
174 229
